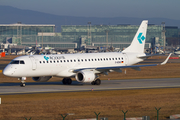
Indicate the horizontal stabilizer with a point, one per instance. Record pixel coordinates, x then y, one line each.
147 56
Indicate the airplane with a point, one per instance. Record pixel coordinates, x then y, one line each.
85 67
177 51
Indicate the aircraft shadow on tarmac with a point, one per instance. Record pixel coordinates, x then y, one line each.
41 83
74 83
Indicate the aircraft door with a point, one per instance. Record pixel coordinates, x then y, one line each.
33 61
79 61
126 59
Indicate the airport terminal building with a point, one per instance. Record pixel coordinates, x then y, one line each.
77 36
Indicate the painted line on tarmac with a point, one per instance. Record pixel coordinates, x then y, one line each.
151 87
86 90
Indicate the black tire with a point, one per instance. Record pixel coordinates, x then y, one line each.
69 81
22 84
64 81
93 83
97 82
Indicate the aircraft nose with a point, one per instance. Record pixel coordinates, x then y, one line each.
7 72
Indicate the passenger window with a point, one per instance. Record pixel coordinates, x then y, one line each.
64 60
54 61
57 61
89 60
109 58
47 61
106 58
71 60
78 60
122 58
119 58
101 59
22 62
50 61
39 61
92 59
67 60
112 58
98 59
82 60
60 60
116 58
74 60
95 59
85 59
43 61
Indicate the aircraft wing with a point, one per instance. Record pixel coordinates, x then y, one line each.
119 67
134 66
116 68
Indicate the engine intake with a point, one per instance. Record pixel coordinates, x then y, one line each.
85 76
41 79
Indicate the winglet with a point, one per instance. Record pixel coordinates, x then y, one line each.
166 59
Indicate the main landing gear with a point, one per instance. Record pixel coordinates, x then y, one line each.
22 84
96 82
67 81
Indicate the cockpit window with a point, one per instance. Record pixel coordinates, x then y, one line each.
22 62
17 62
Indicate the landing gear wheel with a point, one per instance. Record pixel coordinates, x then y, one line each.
64 81
97 82
67 81
22 84
22 79
93 83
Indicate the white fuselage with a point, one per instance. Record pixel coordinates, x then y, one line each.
84 67
62 65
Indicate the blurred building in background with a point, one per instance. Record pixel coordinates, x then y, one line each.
84 36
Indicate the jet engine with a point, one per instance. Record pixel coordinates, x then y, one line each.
85 76
41 79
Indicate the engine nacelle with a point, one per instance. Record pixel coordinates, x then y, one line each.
41 79
85 76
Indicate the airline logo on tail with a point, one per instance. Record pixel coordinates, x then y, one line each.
140 38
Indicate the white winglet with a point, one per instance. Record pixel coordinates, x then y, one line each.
166 59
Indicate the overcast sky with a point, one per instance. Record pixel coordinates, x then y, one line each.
102 8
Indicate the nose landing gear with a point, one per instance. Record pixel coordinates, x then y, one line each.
22 84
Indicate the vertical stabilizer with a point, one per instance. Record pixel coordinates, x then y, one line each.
137 45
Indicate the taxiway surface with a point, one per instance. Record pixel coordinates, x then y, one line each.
50 87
